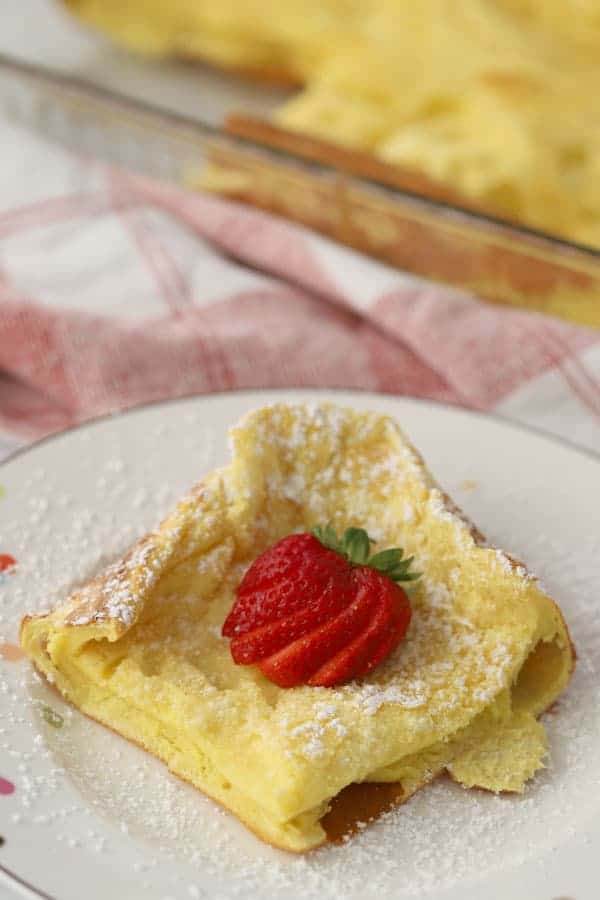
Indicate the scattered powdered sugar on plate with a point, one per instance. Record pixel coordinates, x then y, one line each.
444 836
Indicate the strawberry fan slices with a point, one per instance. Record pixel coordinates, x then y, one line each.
319 611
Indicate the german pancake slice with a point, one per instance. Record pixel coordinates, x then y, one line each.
140 647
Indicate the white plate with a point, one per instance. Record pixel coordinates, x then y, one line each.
93 817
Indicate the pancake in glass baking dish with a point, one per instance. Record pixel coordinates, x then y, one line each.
496 99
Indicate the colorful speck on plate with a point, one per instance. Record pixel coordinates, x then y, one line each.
54 719
6 787
11 652
8 565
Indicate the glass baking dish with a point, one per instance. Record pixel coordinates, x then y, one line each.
346 196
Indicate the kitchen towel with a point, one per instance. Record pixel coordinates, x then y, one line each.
117 290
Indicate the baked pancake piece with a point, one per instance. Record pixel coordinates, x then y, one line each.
493 99
139 647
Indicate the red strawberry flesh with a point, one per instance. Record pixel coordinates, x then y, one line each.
317 610
265 640
353 658
291 574
295 664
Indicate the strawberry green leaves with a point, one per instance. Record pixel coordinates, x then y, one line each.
311 610
355 546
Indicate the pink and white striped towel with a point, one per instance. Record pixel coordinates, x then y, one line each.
117 290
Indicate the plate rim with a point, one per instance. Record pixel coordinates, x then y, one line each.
491 415
10 878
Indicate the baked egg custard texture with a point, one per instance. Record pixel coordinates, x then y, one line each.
495 98
139 648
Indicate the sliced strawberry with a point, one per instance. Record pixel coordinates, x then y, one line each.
295 663
356 653
317 610
265 640
385 630
381 650
283 580
390 636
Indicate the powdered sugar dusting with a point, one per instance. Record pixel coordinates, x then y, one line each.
410 696
80 783
439 508
311 734
309 737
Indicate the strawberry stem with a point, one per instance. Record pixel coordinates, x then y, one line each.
355 546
